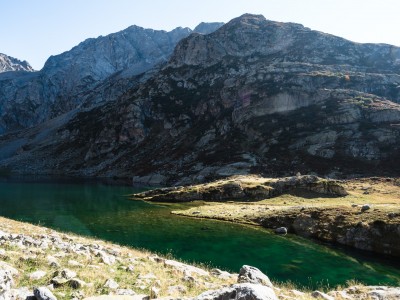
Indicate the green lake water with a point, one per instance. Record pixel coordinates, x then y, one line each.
104 211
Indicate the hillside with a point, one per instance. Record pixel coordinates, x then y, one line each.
43 264
255 96
67 80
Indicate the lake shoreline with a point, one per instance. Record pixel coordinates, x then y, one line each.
366 218
64 265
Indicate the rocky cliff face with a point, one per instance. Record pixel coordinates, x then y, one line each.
8 63
66 80
253 96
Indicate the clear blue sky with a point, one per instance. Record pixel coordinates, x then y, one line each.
33 30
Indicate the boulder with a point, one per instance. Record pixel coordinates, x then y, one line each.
37 275
249 274
321 295
281 230
242 291
43 293
118 297
184 268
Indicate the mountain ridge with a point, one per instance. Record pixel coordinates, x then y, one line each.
11 64
59 86
270 98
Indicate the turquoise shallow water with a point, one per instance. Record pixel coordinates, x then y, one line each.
104 211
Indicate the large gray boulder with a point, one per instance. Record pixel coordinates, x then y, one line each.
242 291
43 293
249 274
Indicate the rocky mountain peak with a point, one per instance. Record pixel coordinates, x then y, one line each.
255 37
8 63
207 28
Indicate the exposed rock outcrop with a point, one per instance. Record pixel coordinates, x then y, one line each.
8 63
255 96
67 80
244 188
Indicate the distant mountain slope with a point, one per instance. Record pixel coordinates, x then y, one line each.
65 79
253 96
8 63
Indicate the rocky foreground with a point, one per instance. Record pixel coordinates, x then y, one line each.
39 263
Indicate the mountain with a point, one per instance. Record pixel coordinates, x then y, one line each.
66 79
8 63
255 96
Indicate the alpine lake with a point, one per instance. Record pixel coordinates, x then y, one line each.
105 211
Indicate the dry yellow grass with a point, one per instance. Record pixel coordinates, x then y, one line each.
147 272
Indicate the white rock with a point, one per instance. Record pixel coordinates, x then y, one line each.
111 284
184 268
253 275
154 292
119 297
320 295
242 291
127 292
37 275
74 263
281 230
68 274
43 293
6 281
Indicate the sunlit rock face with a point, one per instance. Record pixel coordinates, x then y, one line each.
8 63
252 96
67 80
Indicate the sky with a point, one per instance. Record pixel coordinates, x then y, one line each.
33 30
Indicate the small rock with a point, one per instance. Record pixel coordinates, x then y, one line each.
111 284
74 263
68 274
77 295
393 215
221 274
320 295
6 281
52 261
127 292
281 230
6 267
59 281
365 207
76 283
154 292
22 293
297 293
148 276
184 268
176 290
37 275
43 293
130 268
249 274
119 297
